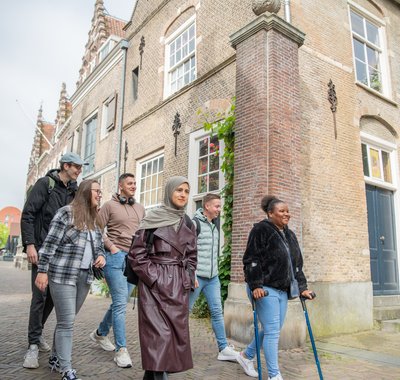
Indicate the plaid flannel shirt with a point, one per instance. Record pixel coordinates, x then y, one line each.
62 251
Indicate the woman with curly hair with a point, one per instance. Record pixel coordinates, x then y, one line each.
271 261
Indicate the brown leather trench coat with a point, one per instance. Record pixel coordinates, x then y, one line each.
165 276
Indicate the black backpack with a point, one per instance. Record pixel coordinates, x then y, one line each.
129 273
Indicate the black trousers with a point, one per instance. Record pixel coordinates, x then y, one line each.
152 375
41 307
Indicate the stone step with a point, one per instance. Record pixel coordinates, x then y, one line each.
391 326
384 313
386 300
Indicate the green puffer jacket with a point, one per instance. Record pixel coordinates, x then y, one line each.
207 247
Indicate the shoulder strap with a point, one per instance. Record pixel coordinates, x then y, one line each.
188 221
91 242
217 222
149 239
198 226
52 183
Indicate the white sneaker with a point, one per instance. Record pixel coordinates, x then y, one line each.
102 341
32 357
43 346
228 353
276 377
122 358
247 365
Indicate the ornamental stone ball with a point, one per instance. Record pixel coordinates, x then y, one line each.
261 6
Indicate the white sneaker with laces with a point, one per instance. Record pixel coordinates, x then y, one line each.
69 375
122 358
102 341
228 353
31 359
276 377
43 346
247 365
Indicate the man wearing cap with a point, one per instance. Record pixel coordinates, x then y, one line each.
51 192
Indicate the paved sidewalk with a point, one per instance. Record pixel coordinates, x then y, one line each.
371 355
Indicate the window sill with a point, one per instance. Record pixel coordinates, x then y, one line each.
381 184
376 93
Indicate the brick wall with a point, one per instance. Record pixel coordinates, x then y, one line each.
326 190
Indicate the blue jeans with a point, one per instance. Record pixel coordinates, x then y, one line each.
211 289
68 300
120 291
271 312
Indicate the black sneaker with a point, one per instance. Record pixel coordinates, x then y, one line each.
70 375
54 363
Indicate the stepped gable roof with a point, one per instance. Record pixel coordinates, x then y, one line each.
103 26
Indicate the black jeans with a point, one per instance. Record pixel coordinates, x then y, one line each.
41 307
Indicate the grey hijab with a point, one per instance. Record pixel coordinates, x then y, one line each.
167 214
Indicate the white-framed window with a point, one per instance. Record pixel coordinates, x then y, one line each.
180 57
376 163
368 37
108 116
89 144
205 175
150 172
106 48
379 161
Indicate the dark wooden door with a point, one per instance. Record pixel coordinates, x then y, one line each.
382 241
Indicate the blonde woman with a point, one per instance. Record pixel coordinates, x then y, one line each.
73 244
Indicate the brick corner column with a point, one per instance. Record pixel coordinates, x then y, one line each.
267 136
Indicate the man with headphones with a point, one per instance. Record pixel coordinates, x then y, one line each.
121 216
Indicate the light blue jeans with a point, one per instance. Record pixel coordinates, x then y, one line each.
120 291
271 313
211 289
68 300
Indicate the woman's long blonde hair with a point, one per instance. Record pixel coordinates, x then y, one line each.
83 213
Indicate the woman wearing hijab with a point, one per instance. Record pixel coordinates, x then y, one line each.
165 265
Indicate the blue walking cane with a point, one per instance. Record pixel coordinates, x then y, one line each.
303 304
253 305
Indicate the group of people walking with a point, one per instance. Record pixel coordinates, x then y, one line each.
67 236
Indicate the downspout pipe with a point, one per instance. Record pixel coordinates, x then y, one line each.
287 11
124 48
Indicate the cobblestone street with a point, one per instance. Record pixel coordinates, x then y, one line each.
371 355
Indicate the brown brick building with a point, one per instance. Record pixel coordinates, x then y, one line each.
318 123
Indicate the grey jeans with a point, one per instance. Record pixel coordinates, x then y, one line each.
68 300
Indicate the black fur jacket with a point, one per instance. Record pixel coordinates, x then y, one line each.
266 258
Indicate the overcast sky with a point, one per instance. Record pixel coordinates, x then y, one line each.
42 44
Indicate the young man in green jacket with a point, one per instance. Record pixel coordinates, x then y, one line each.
207 280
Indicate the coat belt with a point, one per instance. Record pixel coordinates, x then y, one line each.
168 260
